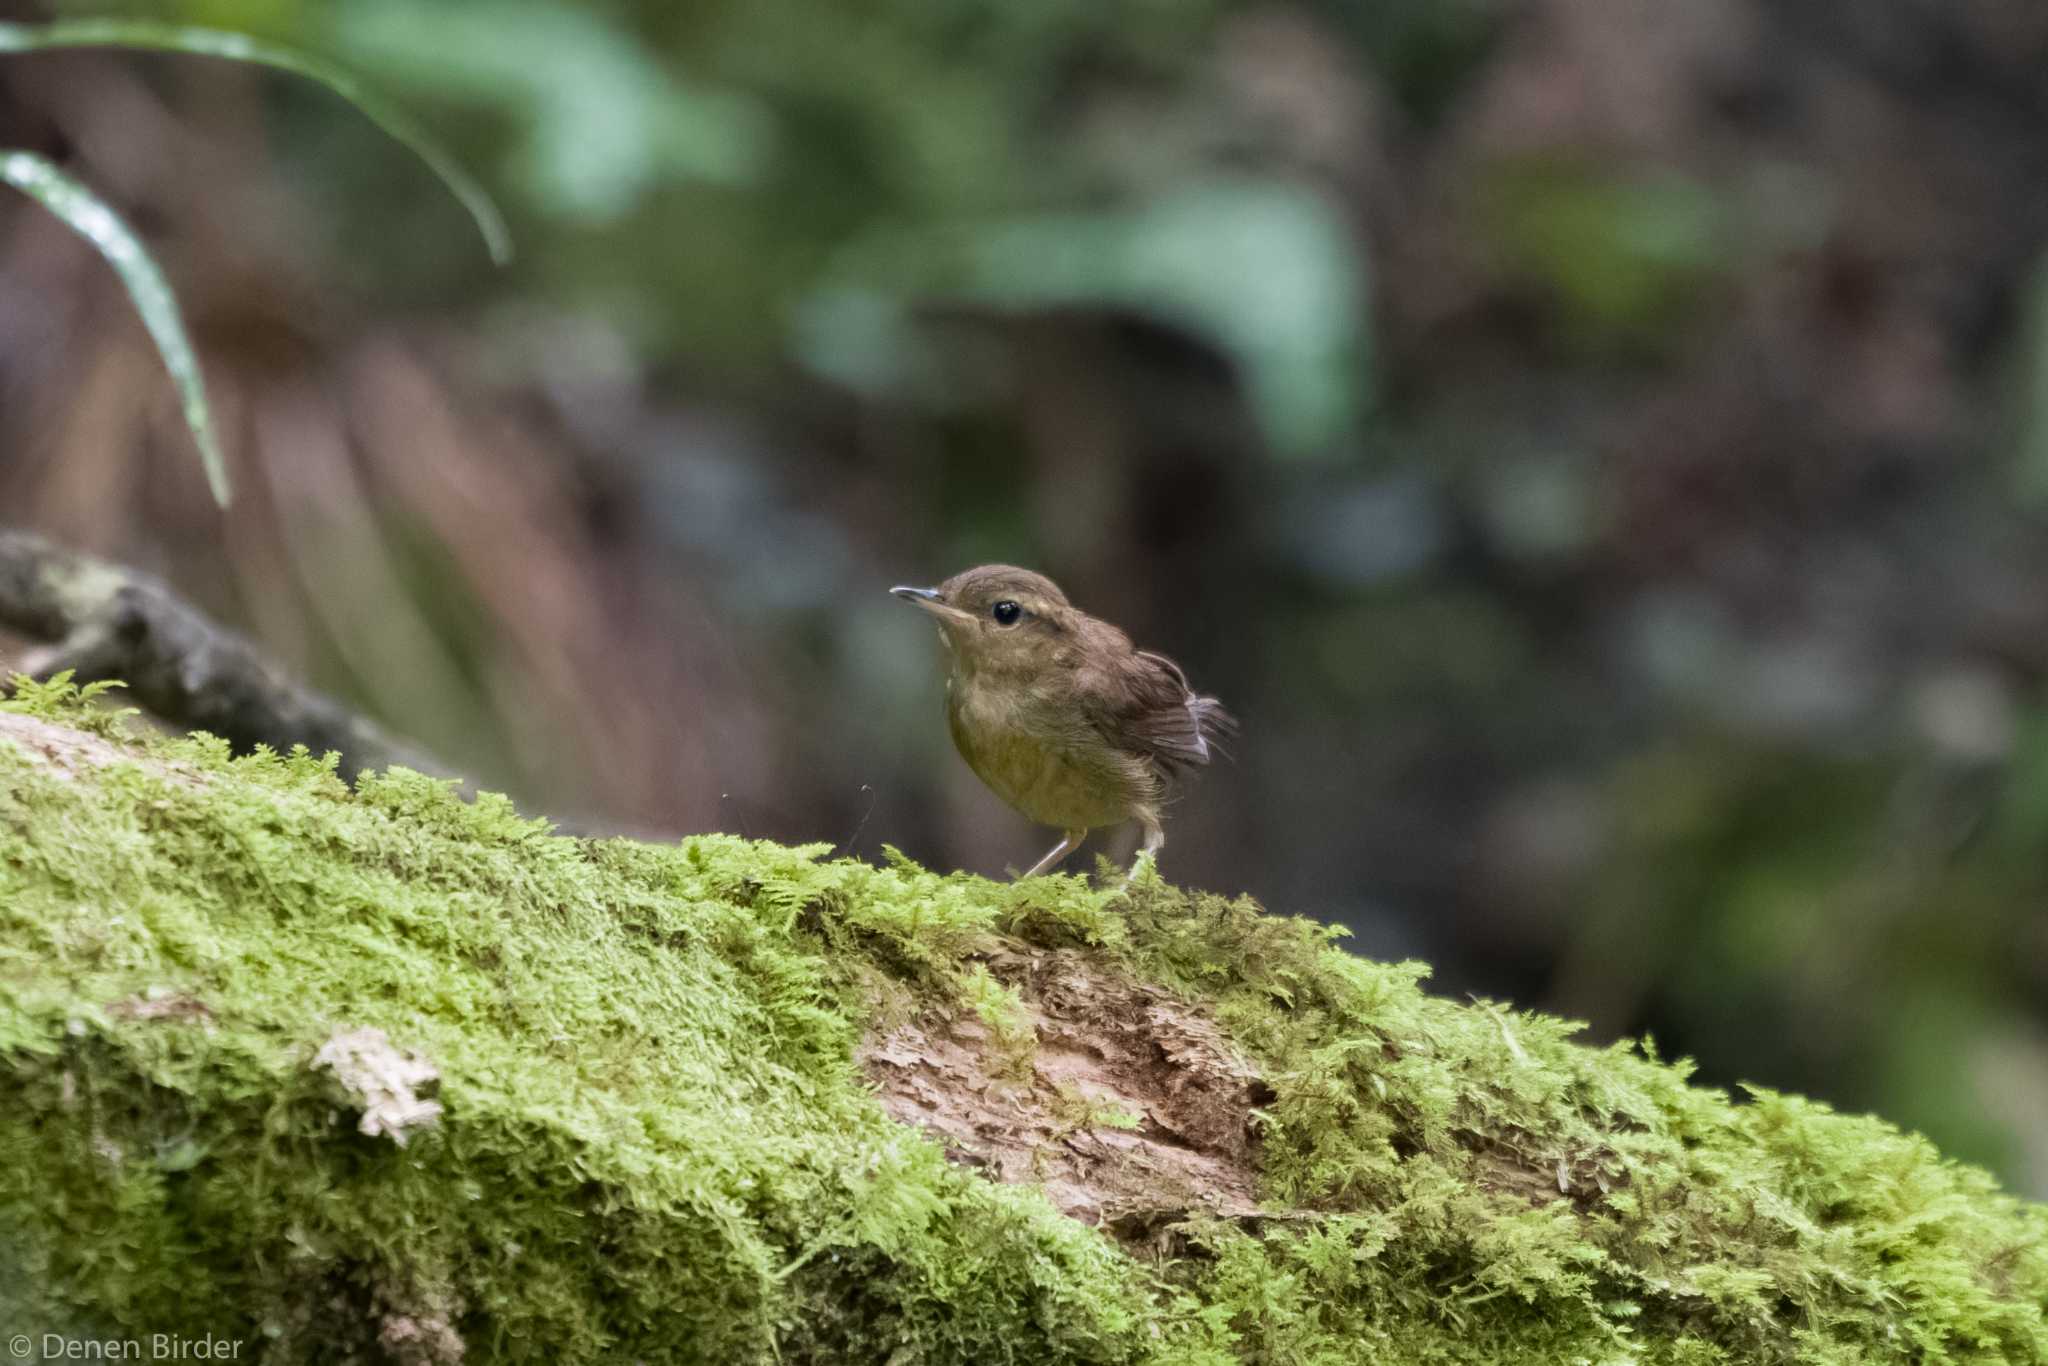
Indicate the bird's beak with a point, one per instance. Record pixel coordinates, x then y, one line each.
929 599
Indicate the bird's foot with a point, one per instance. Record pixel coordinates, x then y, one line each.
1055 854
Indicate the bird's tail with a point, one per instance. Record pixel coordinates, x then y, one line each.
1208 723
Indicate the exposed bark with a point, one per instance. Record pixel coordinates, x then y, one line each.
1126 1105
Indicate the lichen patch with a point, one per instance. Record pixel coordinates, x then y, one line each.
162 1003
420 1339
1127 1106
74 754
64 750
385 1081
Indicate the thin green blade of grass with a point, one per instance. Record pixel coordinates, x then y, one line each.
90 217
240 47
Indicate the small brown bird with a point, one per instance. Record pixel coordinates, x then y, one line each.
1057 712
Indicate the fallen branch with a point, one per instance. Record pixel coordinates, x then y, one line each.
106 621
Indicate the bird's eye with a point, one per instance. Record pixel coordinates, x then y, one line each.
1006 613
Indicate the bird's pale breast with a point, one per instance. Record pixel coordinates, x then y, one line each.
1054 769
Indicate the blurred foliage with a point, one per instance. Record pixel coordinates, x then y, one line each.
817 174
599 122
239 47
1262 270
86 214
1624 257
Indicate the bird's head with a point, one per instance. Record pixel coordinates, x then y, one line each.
996 619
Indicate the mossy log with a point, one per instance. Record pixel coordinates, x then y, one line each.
334 1073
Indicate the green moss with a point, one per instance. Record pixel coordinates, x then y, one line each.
60 699
656 1143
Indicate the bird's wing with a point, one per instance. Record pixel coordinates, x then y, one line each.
1142 703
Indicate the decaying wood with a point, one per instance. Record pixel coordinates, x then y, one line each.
1124 1103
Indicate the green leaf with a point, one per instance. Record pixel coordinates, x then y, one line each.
601 121
1262 269
98 224
239 47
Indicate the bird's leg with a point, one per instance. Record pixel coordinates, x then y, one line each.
1059 851
1148 852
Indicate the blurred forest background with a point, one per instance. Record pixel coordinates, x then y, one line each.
1600 449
